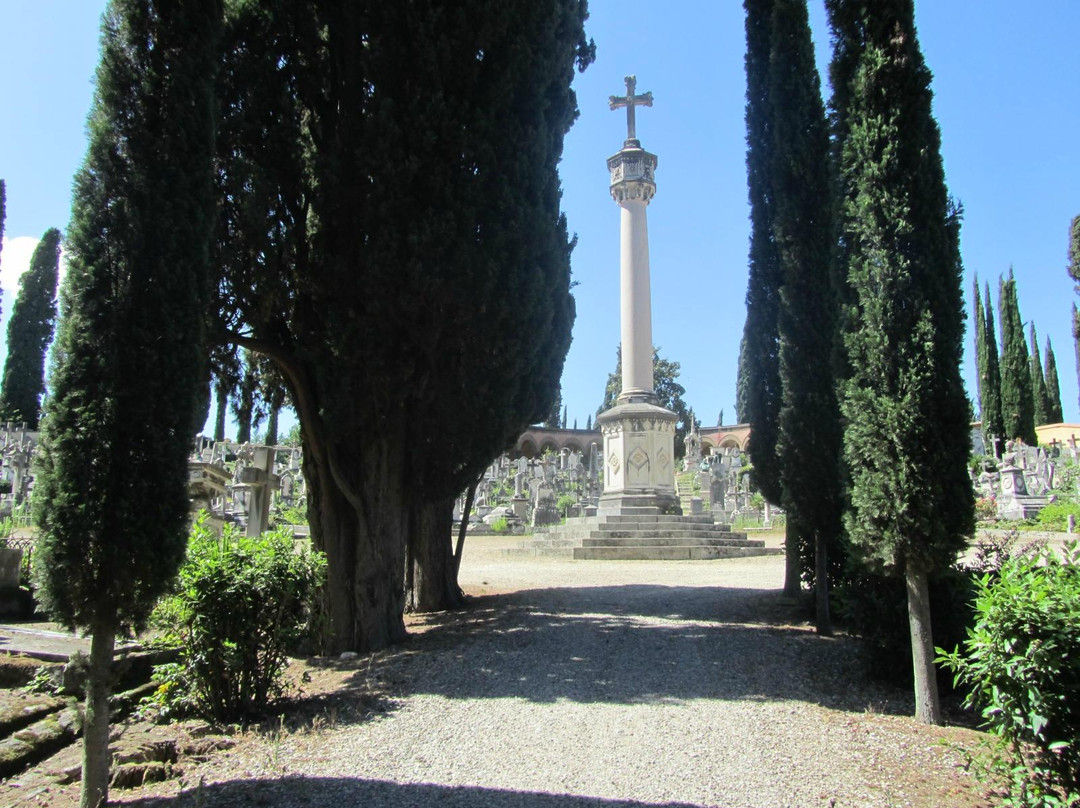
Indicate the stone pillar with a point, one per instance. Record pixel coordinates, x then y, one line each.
639 435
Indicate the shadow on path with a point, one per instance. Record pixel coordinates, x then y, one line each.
632 644
345 792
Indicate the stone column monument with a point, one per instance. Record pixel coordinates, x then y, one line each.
639 435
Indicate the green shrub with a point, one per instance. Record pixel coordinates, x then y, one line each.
1021 662
241 603
564 503
500 525
1055 516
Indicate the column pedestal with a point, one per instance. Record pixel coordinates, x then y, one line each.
639 474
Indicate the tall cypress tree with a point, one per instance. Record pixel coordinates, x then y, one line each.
112 483
759 362
413 158
30 331
1038 382
1017 396
809 437
1054 413
990 373
1073 268
980 343
904 403
759 387
3 215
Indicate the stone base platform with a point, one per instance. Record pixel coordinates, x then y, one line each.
633 537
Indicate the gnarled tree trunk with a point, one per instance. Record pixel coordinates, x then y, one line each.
362 532
431 572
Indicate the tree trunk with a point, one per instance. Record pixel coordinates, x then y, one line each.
364 542
431 574
222 411
96 759
277 399
927 706
459 548
823 618
793 565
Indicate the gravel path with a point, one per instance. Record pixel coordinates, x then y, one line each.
595 684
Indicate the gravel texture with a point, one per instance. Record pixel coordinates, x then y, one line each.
593 684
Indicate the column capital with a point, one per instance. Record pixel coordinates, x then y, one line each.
633 175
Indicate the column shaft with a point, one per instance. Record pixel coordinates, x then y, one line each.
636 307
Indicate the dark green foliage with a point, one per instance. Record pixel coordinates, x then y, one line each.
588 422
669 393
554 418
873 606
980 343
242 605
3 214
759 388
394 243
990 376
1038 382
1017 396
30 330
112 484
1054 413
905 405
1073 268
809 433
1021 662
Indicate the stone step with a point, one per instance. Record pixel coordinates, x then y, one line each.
674 541
677 553
664 534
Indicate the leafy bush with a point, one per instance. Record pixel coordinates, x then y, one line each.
564 503
501 525
1055 516
1022 663
241 603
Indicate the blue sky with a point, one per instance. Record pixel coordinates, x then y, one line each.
1006 97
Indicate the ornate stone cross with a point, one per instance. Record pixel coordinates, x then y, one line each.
630 101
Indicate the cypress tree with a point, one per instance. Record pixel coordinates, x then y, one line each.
413 157
588 421
113 473
1073 268
3 215
1017 396
30 331
904 403
980 345
1038 382
759 385
993 423
809 436
1054 413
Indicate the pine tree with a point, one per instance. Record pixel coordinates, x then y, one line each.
1038 382
759 387
1017 396
1054 413
411 141
990 375
904 404
809 437
669 393
30 330
119 422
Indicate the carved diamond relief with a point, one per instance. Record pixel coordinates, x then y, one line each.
614 464
638 459
662 460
